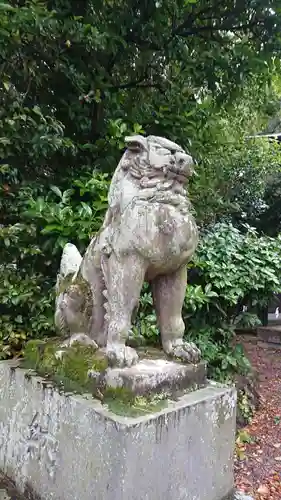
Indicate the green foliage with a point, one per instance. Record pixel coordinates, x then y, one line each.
224 357
75 79
72 215
240 266
234 269
74 75
233 172
25 288
231 269
245 406
31 251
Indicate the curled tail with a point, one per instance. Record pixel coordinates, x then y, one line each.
70 262
69 266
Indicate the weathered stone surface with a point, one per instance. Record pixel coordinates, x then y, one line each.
249 386
270 334
8 490
83 368
4 495
155 376
242 496
149 234
68 447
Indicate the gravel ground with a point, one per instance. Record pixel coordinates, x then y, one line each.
258 471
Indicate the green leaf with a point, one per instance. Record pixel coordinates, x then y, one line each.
87 208
57 191
52 228
7 7
37 110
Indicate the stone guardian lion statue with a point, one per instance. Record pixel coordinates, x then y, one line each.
148 234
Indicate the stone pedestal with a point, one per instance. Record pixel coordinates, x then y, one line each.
270 334
67 447
154 376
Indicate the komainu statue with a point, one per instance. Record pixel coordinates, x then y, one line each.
148 234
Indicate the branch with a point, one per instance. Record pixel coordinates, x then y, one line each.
131 37
138 84
198 15
210 28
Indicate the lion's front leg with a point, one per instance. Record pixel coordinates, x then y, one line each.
168 295
125 279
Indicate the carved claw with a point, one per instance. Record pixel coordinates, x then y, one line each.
120 355
186 351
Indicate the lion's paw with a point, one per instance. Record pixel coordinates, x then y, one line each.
121 355
188 352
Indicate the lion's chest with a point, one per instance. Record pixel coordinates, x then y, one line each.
163 234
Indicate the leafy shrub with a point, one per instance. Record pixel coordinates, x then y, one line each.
234 268
73 215
31 251
25 288
231 268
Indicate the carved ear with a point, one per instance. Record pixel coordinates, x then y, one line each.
165 143
136 143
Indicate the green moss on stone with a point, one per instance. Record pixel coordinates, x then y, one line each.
120 394
67 367
122 401
33 351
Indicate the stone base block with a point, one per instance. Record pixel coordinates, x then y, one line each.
270 334
154 376
67 447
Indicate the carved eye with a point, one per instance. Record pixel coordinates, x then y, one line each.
134 146
162 151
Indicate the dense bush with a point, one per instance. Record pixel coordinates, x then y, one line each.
76 78
231 269
31 251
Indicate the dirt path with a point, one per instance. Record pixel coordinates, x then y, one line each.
259 472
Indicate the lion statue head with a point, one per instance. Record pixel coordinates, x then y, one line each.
154 156
153 168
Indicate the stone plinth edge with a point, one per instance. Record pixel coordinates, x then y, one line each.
154 376
270 334
69 447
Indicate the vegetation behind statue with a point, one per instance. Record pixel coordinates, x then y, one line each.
66 106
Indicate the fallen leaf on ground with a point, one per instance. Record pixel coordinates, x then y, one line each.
259 475
263 490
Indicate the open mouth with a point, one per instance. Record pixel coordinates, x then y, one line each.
135 147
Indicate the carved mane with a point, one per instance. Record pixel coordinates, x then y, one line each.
157 168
